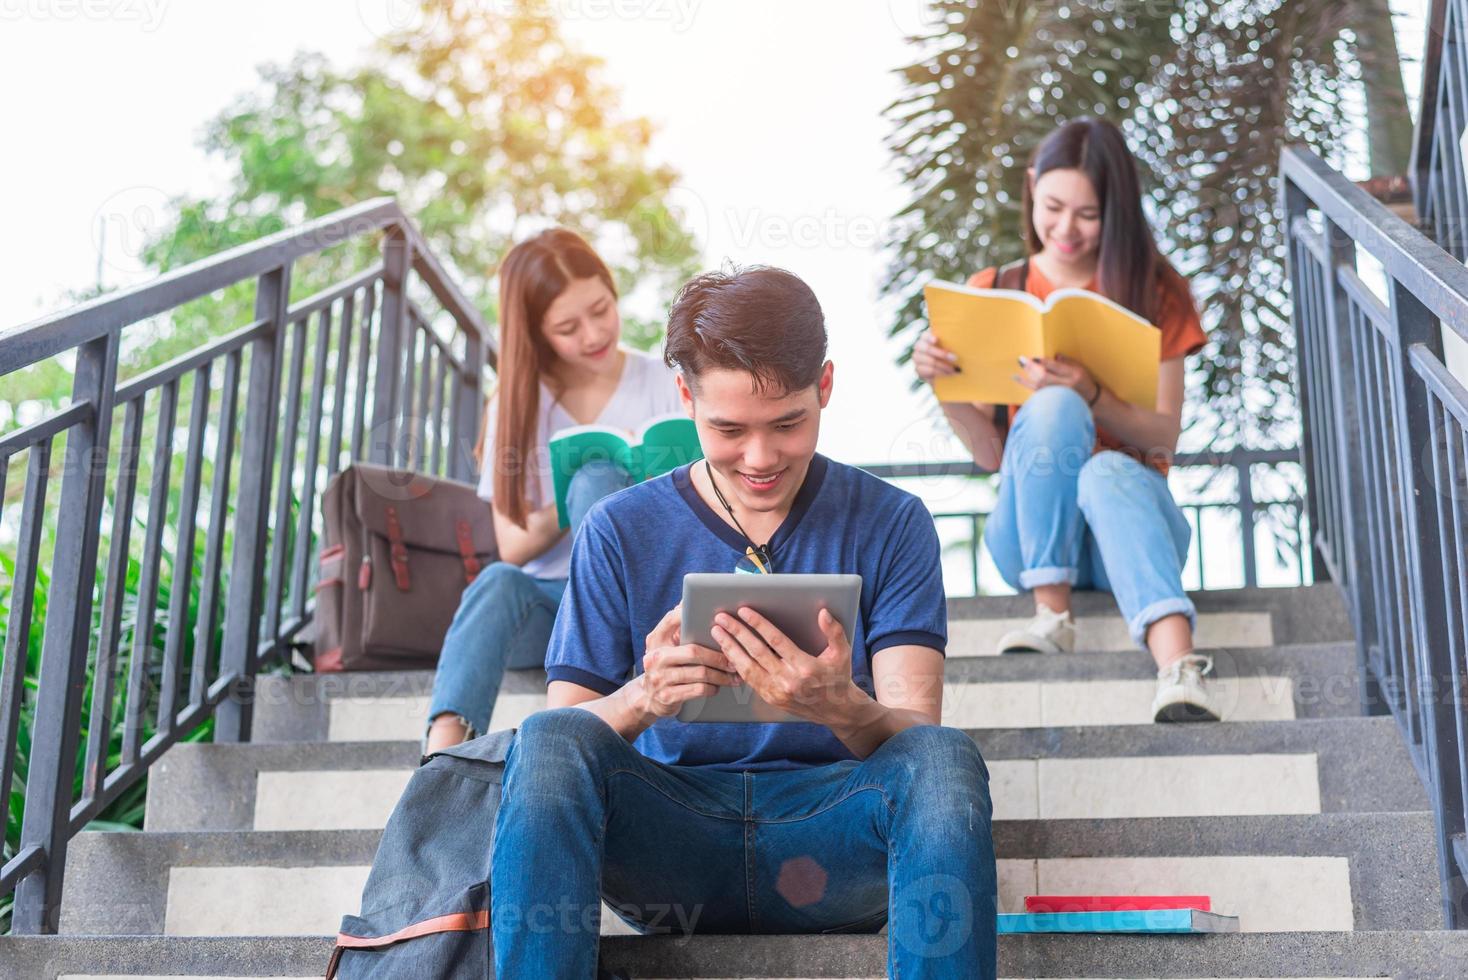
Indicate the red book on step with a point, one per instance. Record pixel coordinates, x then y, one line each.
1115 903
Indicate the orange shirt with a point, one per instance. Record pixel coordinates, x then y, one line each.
1182 334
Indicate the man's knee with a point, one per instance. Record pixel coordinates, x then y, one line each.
555 729
929 764
549 743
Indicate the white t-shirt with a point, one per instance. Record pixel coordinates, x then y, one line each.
645 391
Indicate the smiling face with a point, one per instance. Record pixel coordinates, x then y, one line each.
583 327
1067 218
759 444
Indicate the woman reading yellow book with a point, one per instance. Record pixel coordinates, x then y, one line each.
1083 499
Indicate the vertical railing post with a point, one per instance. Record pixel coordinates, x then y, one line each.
1341 370
234 714
1416 325
397 259
1243 469
470 407
1295 205
57 726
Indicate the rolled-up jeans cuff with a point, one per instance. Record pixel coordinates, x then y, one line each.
1053 575
469 730
1152 613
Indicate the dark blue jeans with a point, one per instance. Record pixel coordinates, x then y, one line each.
902 838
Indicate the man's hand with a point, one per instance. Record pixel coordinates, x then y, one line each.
673 672
814 686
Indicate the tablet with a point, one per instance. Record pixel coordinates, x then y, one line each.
791 602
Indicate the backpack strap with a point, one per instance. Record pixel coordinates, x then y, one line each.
397 549
464 536
1015 275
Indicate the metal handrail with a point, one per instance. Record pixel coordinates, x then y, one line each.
389 359
1383 450
48 336
368 344
1246 505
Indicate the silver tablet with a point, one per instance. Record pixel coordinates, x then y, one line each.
791 602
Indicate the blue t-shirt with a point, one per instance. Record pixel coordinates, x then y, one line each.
634 547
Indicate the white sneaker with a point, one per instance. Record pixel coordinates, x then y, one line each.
1048 632
1181 693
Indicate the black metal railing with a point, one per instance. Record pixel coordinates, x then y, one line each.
1290 539
1438 171
1384 453
216 570
191 534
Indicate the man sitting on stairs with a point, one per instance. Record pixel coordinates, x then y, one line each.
867 813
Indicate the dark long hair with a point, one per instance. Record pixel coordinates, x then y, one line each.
1131 270
532 275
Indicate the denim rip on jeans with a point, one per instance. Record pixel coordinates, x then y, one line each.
504 618
1103 521
903 834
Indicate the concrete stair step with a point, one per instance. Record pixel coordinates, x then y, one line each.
1312 614
1107 632
1019 691
1308 766
1321 872
1427 955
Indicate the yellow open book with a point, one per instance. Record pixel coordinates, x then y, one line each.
990 329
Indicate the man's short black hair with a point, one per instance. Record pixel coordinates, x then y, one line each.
761 320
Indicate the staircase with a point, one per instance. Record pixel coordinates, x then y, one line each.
1297 813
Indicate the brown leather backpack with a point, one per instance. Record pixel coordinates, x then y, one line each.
398 550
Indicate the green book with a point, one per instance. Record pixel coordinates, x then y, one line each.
664 443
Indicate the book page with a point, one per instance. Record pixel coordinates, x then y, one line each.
1120 349
668 442
571 448
989 330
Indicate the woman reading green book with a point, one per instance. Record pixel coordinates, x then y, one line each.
561 364
1083 499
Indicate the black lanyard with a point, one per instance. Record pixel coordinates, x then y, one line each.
760 554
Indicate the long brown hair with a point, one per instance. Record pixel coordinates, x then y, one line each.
1131 270
532 275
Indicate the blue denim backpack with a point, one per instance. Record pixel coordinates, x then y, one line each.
425 907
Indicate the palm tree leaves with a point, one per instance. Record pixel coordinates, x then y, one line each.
1246 82
991 83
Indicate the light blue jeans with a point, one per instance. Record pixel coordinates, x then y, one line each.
902 837
505 617
1103 521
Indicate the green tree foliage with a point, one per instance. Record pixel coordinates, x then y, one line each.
484 123
484 126
1208 94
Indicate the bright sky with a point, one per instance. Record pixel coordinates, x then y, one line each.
772 117
775 128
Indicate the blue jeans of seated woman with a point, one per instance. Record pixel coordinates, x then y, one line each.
1102 521
504 617
902 837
